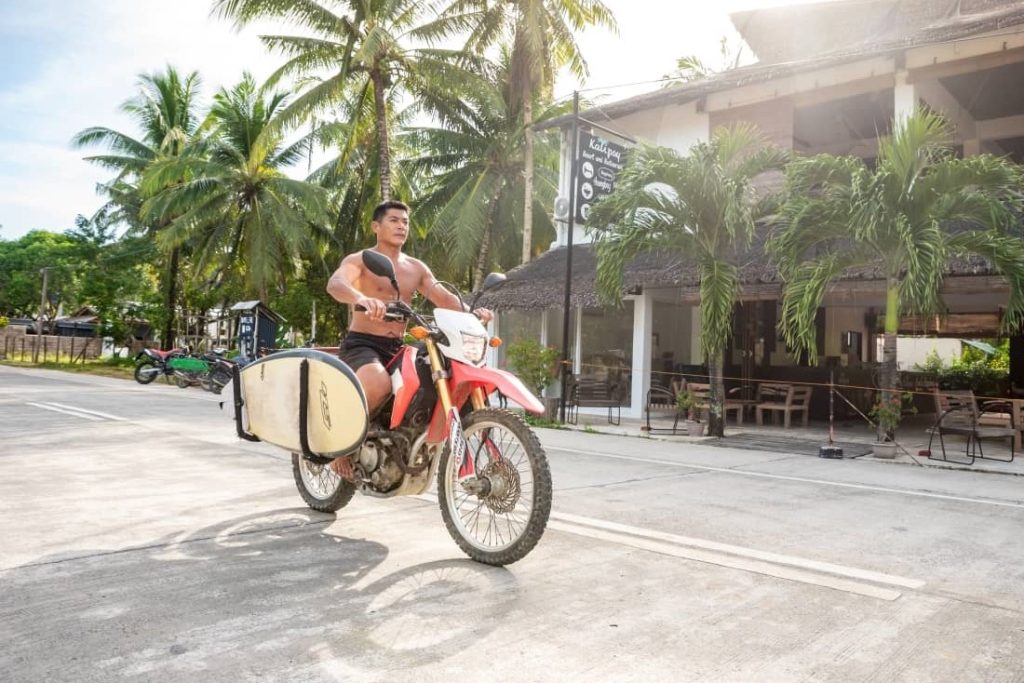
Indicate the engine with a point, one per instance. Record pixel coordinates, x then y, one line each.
378 462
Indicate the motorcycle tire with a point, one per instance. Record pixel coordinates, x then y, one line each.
320 486
146 372
517 502
183 382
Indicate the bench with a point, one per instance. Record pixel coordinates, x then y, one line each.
783 398
594 393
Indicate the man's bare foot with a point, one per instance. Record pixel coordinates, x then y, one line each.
343 468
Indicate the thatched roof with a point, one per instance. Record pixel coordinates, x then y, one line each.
904 24
540 284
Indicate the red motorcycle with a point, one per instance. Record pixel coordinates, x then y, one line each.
493 480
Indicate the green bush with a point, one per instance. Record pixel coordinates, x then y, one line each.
4 322
985 374
536 365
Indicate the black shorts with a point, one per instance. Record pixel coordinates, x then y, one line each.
358 349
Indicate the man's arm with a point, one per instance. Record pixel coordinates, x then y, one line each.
341 286
439 295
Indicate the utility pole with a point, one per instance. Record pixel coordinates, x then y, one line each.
570 227
312 333
42 308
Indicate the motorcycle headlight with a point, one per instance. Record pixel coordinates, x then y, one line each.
473 347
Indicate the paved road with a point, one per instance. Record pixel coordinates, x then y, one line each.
141 541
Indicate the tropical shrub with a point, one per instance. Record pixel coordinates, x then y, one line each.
536 365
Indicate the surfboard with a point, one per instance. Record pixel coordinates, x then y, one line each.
336 411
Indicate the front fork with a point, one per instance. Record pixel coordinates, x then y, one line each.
477 398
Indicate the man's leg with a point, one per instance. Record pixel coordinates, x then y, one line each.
376 384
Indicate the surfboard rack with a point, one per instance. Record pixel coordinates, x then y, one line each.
236 384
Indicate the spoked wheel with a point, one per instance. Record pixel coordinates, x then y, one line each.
498 513
146 372
320 486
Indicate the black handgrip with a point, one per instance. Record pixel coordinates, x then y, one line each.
395 312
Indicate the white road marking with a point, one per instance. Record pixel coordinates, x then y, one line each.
90 412
824 574
740 551
66 412
753 566
765 475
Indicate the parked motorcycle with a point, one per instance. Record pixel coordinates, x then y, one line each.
151 363
493 480
211 370
219 373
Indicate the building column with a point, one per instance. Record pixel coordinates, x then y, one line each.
643 332
904 97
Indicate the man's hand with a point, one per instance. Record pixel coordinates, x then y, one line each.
375 308
484 314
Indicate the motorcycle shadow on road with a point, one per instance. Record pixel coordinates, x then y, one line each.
273 583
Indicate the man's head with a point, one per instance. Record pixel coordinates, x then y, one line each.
391 223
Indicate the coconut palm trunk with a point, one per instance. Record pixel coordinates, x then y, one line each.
716 416
527 179
383 144
889 378
172 297
485 247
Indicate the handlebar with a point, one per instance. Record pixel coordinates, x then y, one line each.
397 312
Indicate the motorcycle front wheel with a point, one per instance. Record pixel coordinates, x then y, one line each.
320 486
146 372
498 514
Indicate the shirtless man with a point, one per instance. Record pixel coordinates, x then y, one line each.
371 342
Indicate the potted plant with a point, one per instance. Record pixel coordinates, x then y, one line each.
887 413
685 404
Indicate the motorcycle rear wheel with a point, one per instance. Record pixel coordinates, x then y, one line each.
504 524
320 486
146 372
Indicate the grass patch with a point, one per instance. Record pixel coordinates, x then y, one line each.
105 367
536 421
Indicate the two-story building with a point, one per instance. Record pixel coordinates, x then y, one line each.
831 77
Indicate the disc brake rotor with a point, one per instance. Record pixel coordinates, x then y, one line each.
505 489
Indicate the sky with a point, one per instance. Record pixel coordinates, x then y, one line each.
66 65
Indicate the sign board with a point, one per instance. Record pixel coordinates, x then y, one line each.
247 334
599 164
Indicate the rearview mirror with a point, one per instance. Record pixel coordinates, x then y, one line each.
492 280
381 266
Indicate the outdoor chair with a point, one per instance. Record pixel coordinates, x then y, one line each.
783 398
661 402
588 392
959 415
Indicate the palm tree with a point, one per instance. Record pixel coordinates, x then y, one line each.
473 161
364 48
165 112
543 41
904 219
232 201
701 207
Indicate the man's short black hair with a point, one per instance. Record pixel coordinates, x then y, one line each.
383 207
